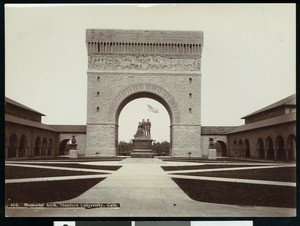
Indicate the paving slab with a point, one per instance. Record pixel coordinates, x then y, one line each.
144 189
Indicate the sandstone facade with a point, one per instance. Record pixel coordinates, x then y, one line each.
126 65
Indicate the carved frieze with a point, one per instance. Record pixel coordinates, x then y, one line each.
143 62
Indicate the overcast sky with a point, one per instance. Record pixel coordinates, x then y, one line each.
248 58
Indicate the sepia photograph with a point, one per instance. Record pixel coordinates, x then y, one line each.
150 110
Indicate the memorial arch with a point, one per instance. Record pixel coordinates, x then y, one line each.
126 65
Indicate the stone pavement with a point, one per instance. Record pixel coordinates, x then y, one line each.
144 189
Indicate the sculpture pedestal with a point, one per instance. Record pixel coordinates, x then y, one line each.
212 153
142 148
73 154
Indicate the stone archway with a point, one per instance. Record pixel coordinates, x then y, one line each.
120 74
50 148
22 146
269 148
260 148
63 150
279 148
240 149
247 148
221 148
13 146
37 147
291 147
44 147
234 148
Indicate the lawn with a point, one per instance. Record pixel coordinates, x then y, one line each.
206 166
15 172
79 166
286 174
66 158
238 193
205 160
49 191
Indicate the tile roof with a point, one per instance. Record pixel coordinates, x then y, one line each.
220 130
290 100
10 101
267 122
26 122
69 128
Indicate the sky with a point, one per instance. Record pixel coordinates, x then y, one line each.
248 58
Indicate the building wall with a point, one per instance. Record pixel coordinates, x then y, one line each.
22 113
284 130
205 142
119 73
267 114
80 140
31 134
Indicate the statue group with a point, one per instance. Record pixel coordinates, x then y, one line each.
143 129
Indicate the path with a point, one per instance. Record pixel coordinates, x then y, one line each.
143 189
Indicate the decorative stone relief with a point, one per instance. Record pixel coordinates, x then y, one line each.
143 62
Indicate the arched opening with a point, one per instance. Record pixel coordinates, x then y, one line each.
63 147
291 147
136 111
279 146
44 147
50 147
240 149
22 146
13 145
37 146
247 149
234 147
260 148
221 148
269 148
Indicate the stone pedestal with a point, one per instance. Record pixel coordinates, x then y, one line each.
142 148
212 153
142 143
73 154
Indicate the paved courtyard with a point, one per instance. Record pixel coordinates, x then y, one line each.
144 189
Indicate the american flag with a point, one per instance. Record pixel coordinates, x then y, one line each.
152 109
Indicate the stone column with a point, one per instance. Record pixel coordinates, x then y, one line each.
40 151
266 154
287 157
26 152
17 152
257 153
276 154
101 138
186 138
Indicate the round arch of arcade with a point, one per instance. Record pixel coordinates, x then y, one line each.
144 90
18 146
277 147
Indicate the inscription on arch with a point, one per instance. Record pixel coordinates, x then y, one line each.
144 87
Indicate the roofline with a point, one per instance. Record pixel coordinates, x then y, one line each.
19 105
29 123
266 123
268 107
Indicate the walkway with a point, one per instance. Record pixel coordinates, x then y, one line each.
144 189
